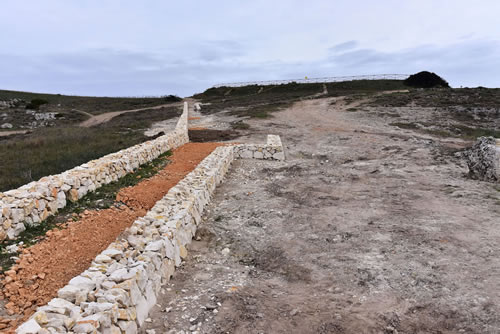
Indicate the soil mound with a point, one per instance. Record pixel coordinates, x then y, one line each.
426 79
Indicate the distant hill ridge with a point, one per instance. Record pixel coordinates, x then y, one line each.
316 80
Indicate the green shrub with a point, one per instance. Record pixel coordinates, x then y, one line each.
172 98
36 103
426 79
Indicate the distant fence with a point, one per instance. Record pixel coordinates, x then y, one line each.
317 80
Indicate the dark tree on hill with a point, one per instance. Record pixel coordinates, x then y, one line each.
426 79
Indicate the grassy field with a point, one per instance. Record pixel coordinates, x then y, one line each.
51 150
90 104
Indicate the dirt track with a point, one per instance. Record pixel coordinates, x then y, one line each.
366 228
106 117
14 132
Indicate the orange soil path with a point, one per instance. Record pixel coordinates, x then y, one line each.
46 267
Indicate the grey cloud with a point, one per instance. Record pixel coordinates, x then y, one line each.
464 63
349 45
186 70
220 50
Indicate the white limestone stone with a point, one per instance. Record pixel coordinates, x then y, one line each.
70 292
29 327
83 283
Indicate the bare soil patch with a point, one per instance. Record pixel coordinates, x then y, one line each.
366 228
10 133
49 265
199 135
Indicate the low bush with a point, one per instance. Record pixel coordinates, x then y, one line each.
36 103
426 79
172 98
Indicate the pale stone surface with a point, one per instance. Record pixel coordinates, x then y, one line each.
84 328
29 327
83 283
101 258
70 292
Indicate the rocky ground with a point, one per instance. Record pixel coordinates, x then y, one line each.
365 228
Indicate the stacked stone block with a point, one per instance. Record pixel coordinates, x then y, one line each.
272 150
116 293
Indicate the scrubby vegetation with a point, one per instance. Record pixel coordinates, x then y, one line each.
261 101
172 98
36 103
142 119
92 105
466 113
53 150
463 97
363 87
254 100
426 79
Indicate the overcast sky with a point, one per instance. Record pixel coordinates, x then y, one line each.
137 48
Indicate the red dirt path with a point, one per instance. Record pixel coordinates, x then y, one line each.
46 267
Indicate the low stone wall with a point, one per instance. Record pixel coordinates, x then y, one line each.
35 201
483 159
116 293
272 150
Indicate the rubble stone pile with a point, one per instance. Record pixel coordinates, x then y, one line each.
483 159
12 103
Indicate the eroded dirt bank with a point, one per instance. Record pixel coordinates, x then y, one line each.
48 266
366 228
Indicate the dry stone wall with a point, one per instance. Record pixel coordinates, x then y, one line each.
272 150
35 201
116 293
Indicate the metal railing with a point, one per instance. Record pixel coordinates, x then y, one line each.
317 80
